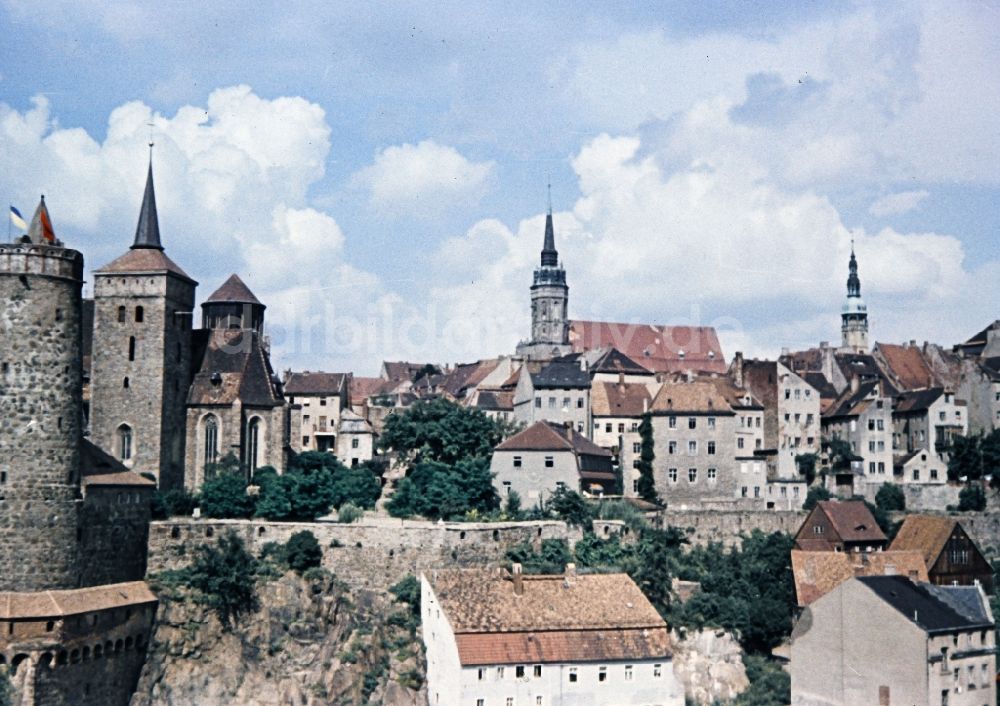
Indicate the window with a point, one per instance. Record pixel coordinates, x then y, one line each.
131 347
138 315
481 674
538 402
657 671
355 443
125 442
538 701
499 672
795 491
809 419
121 314
517 462
871 468
506 488
211 452
253 443
537 671
552 403
756 491
739 442
672 422
743 491
480 702
635 481
934 474
634 427
881 467
692 448
880 424
560 485
692 422
519 671
549 461
672 474
322 402
621 428
572 674
711 447
636 447
711 422
712 474
602 674
941 416
788 394
607 428
671 447
692 475
871 445
817 529
566 402
871 425
628 672
757 422
579 403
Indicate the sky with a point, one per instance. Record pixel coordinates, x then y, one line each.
377 172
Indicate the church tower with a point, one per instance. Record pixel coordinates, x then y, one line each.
549 304
141 370
854 319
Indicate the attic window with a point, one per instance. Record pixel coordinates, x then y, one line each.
216 378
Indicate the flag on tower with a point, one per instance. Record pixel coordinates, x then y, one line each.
40 229
17 219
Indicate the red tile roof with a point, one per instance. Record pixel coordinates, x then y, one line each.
548 436
817 573
308 383
926 534
235 291
696 397
563 646
54 604
143 260
657 348
907 365
852 520
611 399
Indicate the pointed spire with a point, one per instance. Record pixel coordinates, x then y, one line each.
853 281
147 232
40 231
550 257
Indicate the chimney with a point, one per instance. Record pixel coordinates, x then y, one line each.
621 378
583 363
517 578
855 383
737 369
570 575
690 376
785 352
645 405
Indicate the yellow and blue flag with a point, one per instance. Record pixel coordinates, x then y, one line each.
17 219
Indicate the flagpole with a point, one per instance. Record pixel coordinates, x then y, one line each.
10 206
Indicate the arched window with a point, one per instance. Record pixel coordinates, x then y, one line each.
138 314
211 439
125 442
125 383
131 347
253 443
121 314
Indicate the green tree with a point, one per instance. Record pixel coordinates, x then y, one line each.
6 690
436 490
770 685
226 576
840 454
227 464
815 494
356 486
224 495
440 430
989 448
972 498
302 551
512 507
653 565
647 486
176 502
806 463
314 483
408 591
571 507
890 498
552 557
965 458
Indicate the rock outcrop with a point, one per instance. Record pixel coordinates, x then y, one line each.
311 643
709 663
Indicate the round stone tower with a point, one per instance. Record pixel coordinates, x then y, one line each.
40 414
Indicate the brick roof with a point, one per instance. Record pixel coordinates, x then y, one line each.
852 520
233 290
562 646
143 260
906 365
318 383
56 604
548 436
926 534
611 399
483 601
657 348
694 397
817 573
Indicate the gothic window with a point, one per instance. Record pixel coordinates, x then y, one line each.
138 314
211 439
125 442
131 347
253 443
121 314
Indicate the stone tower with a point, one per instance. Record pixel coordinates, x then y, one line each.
40 410
549 304
854 319
141 369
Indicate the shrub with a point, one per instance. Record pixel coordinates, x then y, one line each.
890 498
226 576
815 494
569 506
439 490
551 559
647 487
6 691
349 513
408 591
806 463
440 430
172 503
302 551
512 508
225 496
972 498
770 685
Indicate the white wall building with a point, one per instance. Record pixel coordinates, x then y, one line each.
495 638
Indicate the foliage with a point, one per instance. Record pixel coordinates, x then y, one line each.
815 495
225 574
633 518
302 551
348 513
647 487
176 502
965 458
224 495
436 490
770 685
840 454
551 559
806 463
314 483
512 508
227 464
603 554
440 430
890 498
408 591
6 691
570 507
972 498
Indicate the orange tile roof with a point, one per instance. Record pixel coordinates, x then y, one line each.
818 573
907 365
697 396
852 520
657 348
54 604
143 260
548 436
563 646
611 399
926 534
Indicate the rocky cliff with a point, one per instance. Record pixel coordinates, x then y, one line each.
311 643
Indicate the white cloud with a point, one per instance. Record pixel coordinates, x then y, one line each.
424 178
898 204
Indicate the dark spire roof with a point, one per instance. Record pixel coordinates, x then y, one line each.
853 281
147 232
550 258
233 290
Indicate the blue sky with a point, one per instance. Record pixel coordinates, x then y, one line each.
377 173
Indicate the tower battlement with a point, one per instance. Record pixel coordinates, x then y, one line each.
43 260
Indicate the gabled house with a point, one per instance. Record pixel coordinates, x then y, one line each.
320 398
546 456
927 419
555 391
862 416
818 573
661 349
886 640
834 526
496 638
950 554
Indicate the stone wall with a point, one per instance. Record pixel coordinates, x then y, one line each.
373 553
40 416
728 527
115 530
